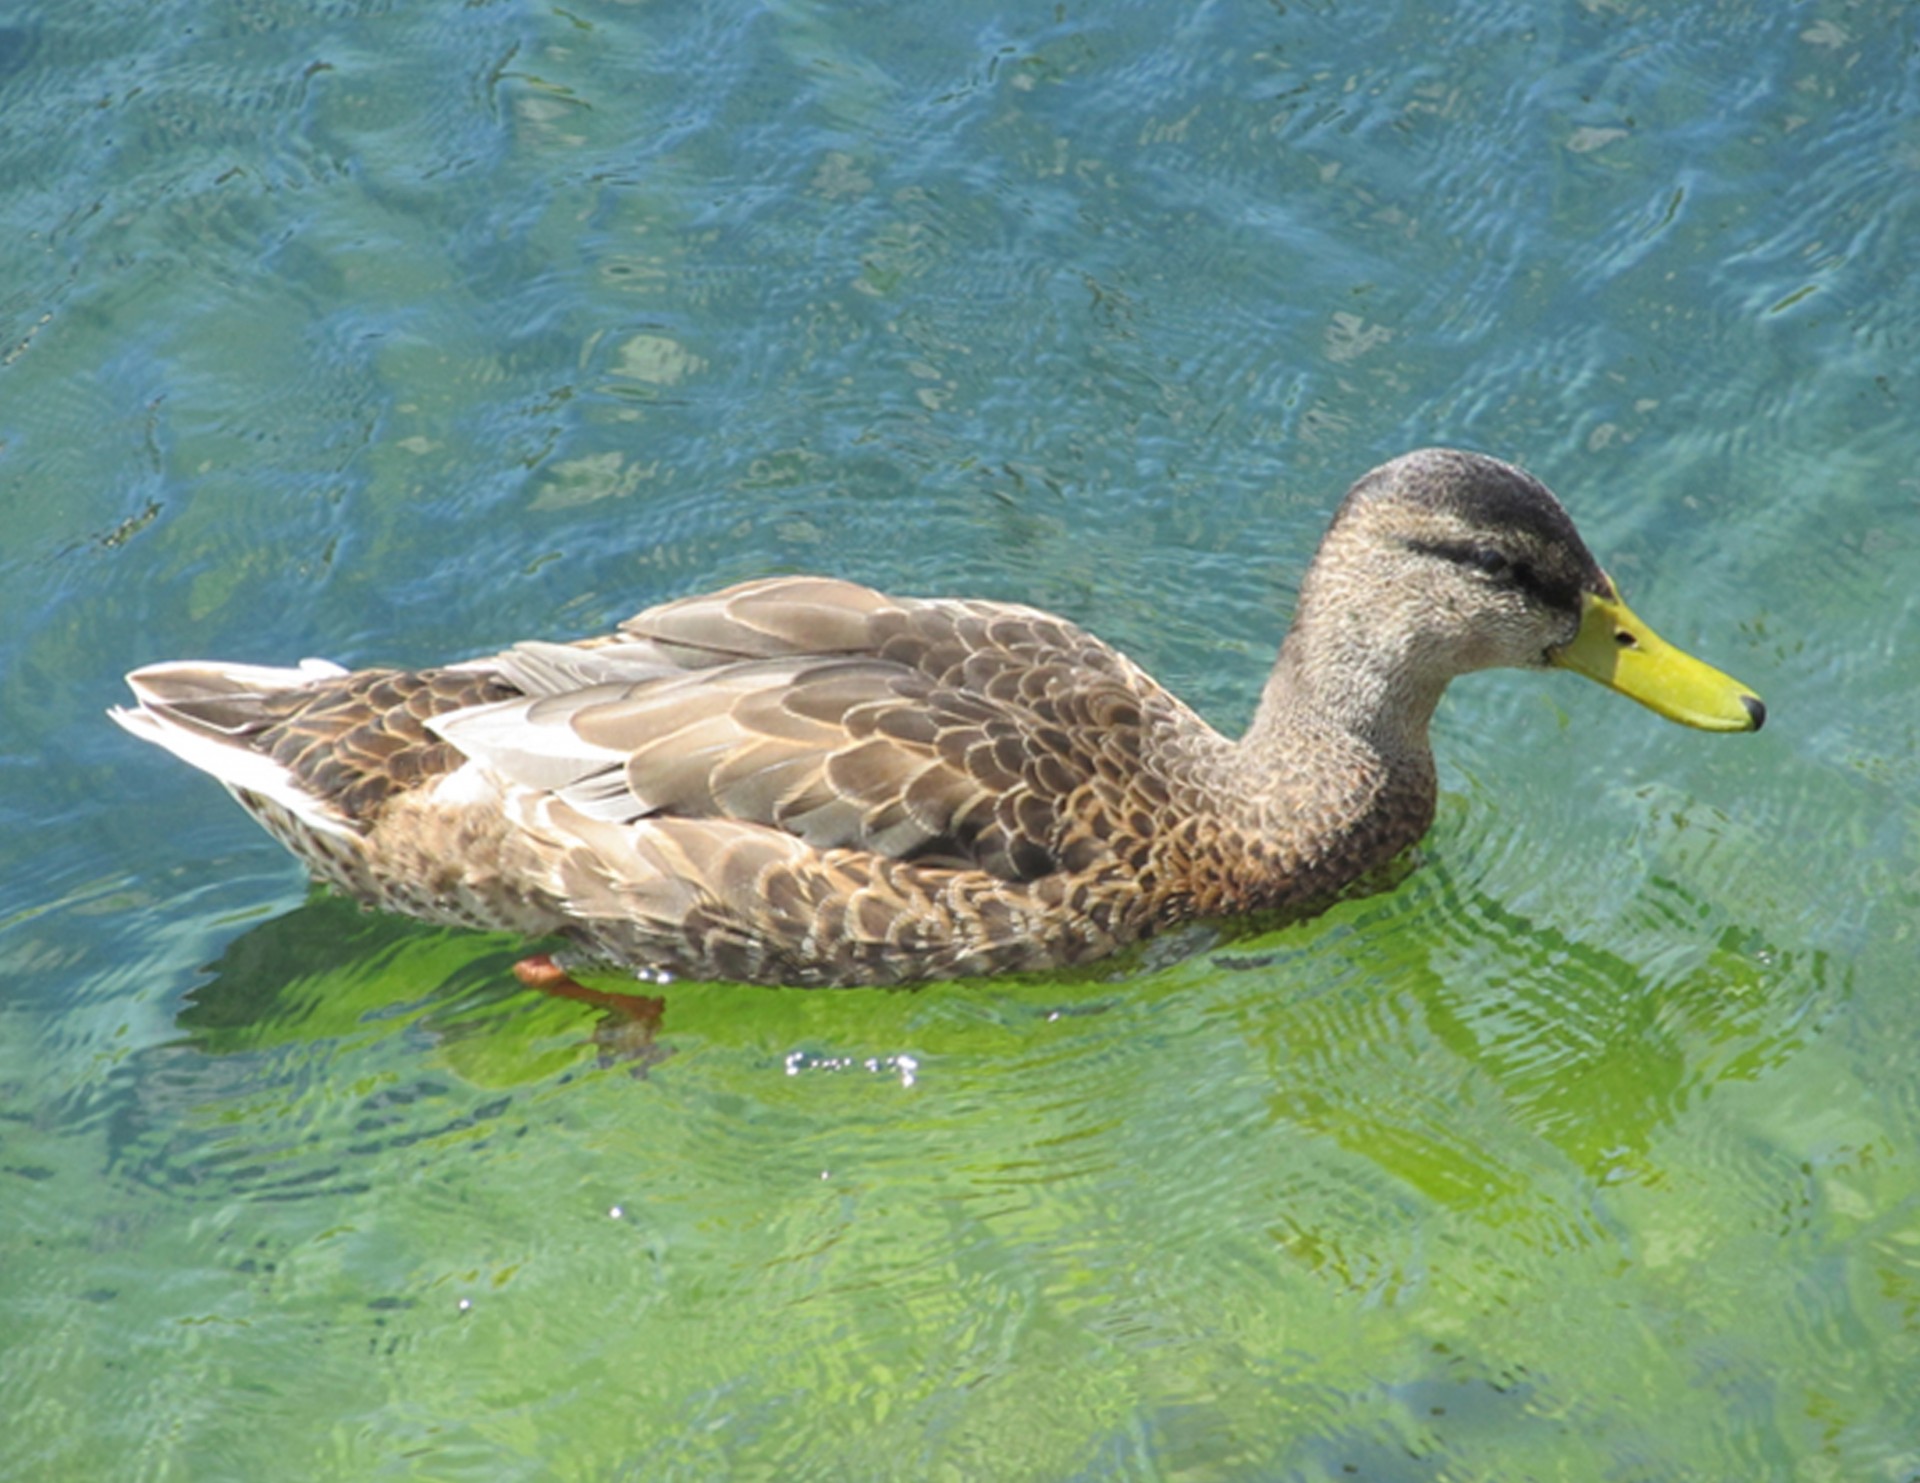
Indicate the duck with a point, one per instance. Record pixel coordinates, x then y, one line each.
799 780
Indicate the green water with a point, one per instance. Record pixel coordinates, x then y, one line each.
398 332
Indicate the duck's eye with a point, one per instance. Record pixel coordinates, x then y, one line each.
1486 559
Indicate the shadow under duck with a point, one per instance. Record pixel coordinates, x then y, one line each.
803 781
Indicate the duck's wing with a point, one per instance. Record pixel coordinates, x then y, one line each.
970 734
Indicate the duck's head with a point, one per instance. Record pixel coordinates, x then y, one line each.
1443 562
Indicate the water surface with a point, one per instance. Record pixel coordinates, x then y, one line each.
394 333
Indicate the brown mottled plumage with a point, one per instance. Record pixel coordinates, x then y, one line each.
802 781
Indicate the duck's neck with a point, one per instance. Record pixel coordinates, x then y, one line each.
1336 770
1341 679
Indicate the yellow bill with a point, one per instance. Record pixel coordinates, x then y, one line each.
1622 653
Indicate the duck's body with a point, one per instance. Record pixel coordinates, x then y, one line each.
803 781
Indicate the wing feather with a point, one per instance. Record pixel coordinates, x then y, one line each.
947 732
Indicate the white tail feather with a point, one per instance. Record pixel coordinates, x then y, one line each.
228 759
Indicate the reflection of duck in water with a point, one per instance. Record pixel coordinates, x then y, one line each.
802 781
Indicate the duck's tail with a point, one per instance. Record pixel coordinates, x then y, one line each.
209 714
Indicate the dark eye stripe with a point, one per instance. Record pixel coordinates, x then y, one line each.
1497 566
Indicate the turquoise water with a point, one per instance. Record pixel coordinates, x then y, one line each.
393 333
